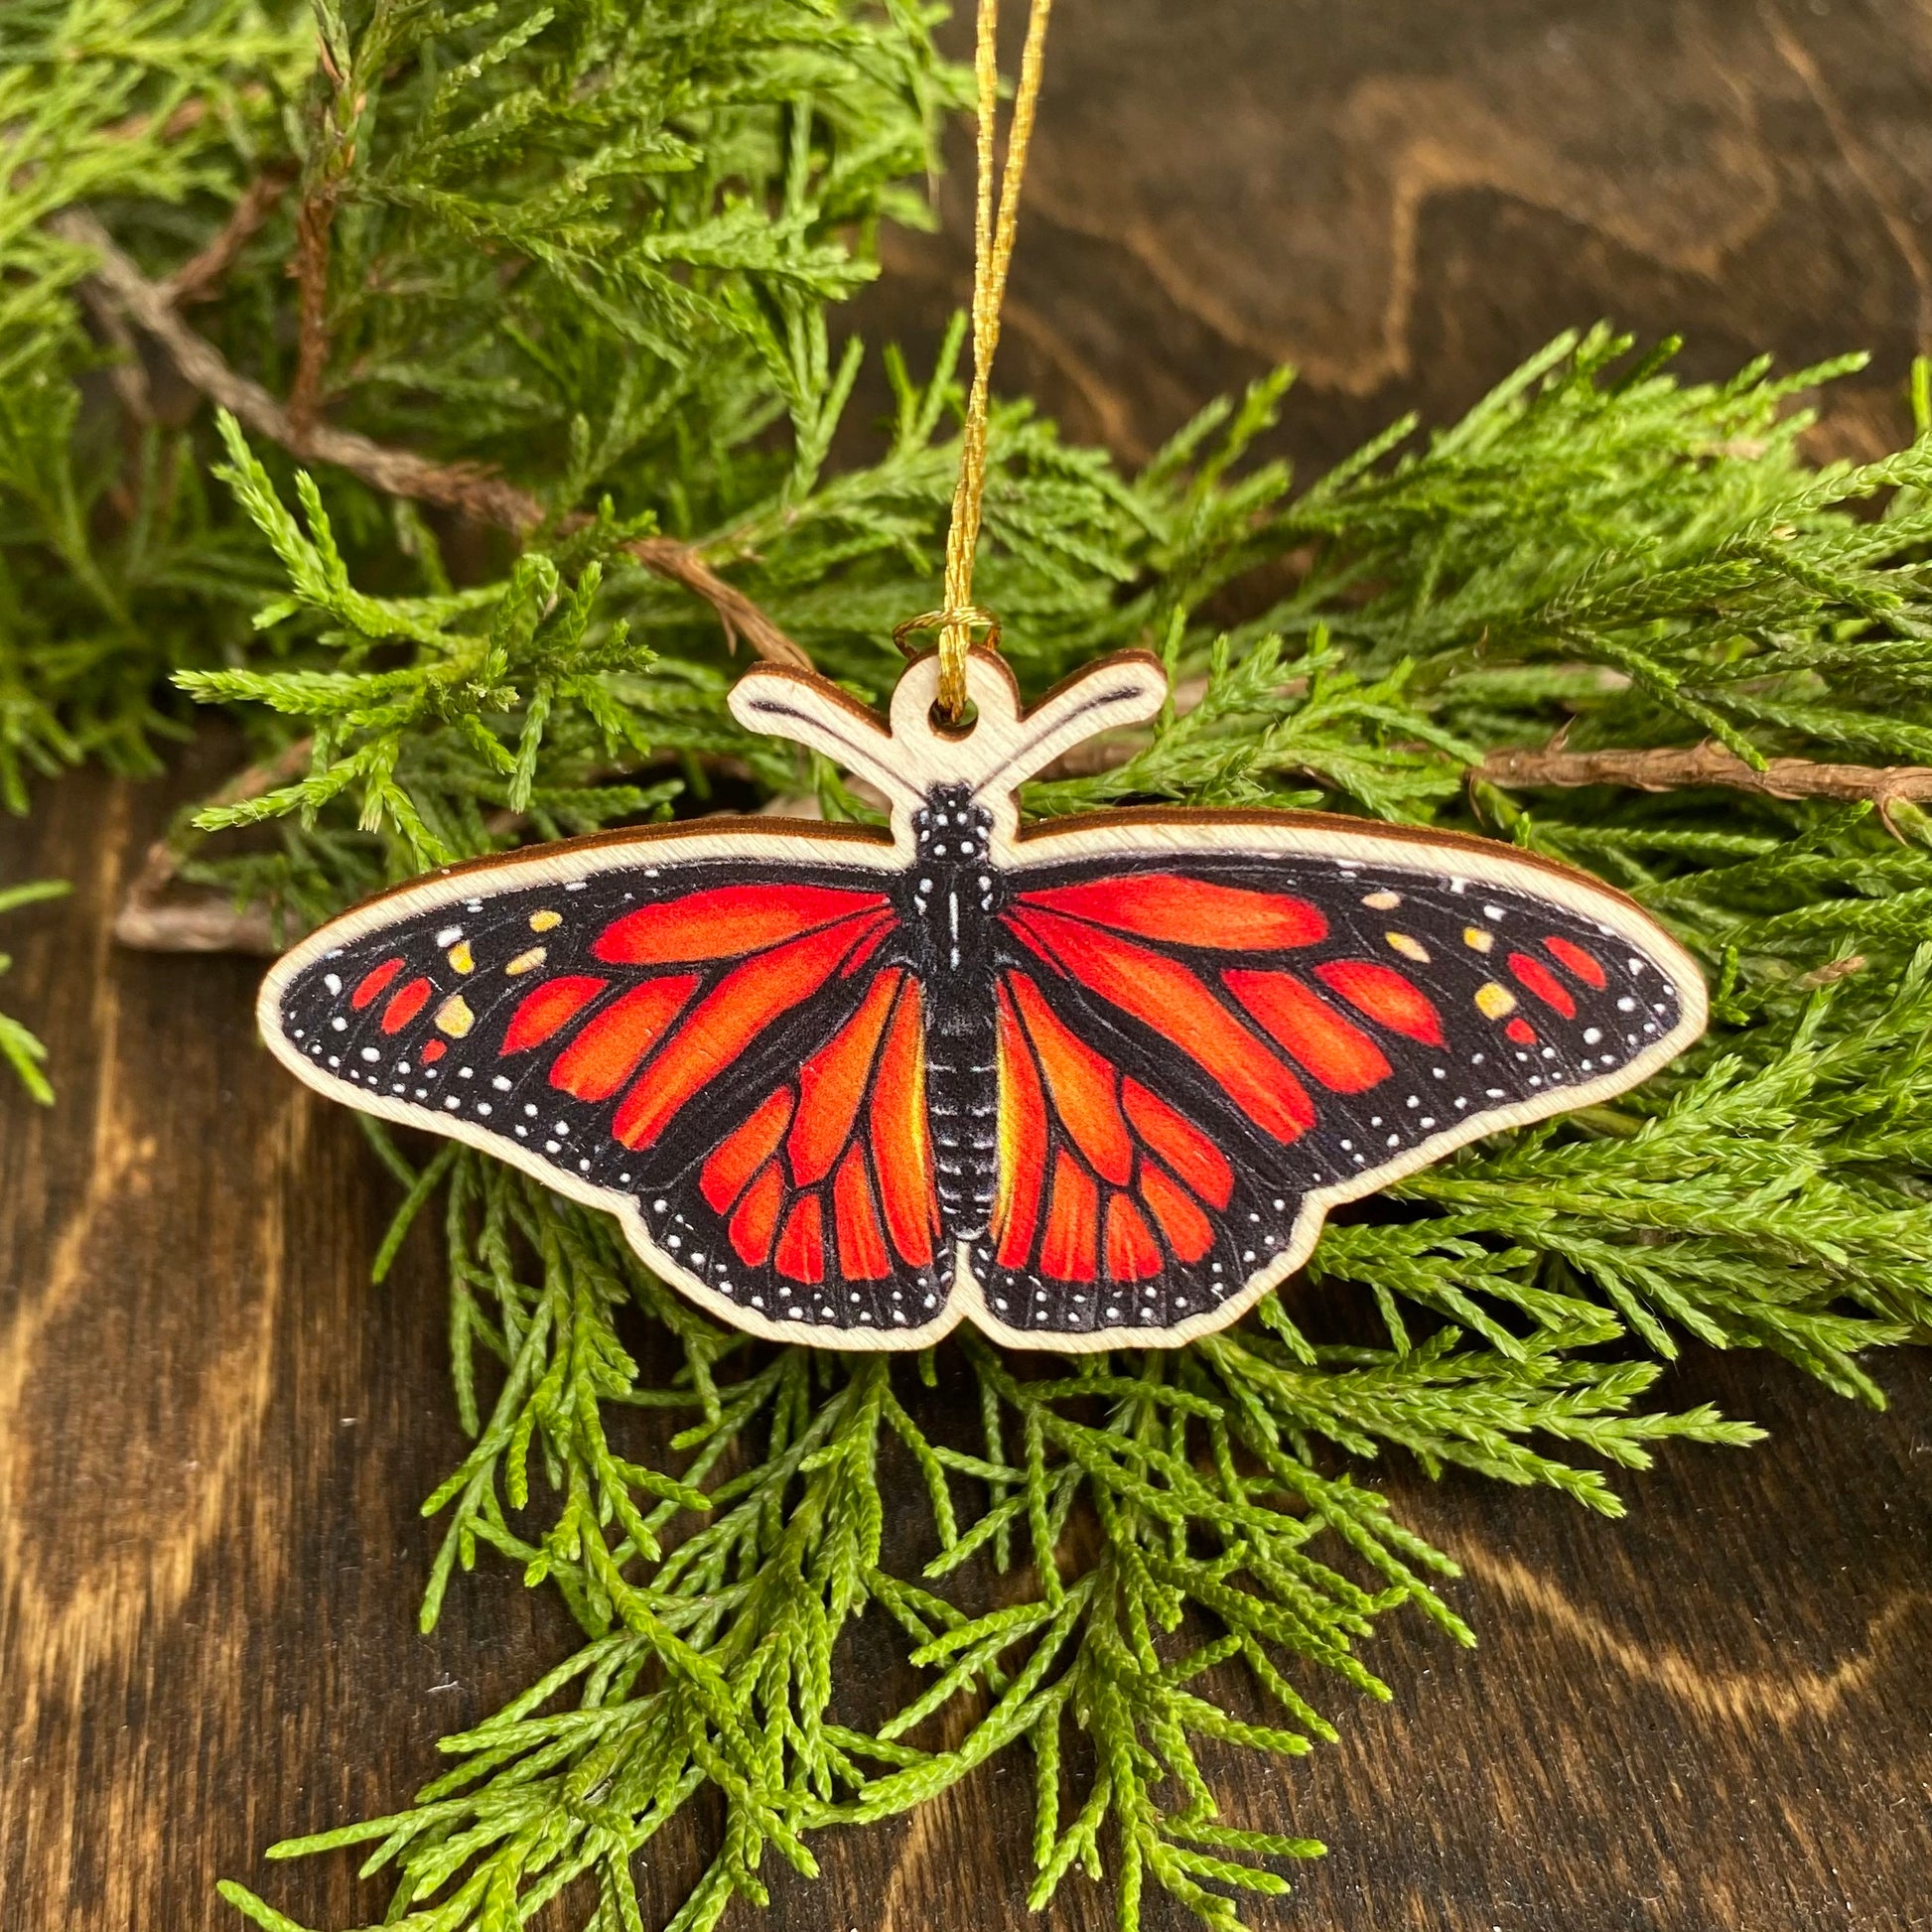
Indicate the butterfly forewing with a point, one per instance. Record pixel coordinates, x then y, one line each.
1199 1052
729 1052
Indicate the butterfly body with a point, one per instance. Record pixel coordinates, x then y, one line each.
1093 1082
952 898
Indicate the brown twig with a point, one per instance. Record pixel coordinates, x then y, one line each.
150 922
314 221
741 618
400 473
198 277
1676 767
464 488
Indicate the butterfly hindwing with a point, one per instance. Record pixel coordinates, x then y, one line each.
1201 1051
728 1053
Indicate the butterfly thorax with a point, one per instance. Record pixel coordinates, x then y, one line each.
953 894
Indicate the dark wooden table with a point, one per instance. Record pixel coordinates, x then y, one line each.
214 1433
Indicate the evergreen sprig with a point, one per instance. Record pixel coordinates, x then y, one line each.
19 1048
585 257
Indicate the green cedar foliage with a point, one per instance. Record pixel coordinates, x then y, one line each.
599 248
18 1047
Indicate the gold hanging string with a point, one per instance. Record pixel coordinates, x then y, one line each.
993 237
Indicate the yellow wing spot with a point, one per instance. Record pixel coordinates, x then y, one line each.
454 1017
1474 936
525 962
544 920
462 959
1409 948
1383 901
1495 1001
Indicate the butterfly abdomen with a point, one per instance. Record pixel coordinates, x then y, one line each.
956 895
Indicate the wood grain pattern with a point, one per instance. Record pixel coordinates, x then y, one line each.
214 1433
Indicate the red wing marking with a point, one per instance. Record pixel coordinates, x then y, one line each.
433 1050
1132 1254
1336 1050
1586 966
372 984
1067 1253
1386 997
1543 983
832 1083
757 1218
744 1150
1191 911
726 923
900 1151
801 1246
1162 993
1180 1143
607 1053
1521 1031
404 1005
725 1022
1023 1142
548 1006
1081 1083
861 1240
1189 1232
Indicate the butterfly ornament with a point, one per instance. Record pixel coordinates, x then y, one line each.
1088 1084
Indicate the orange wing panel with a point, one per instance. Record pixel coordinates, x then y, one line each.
1336 1050
745 1151
1067 1252
726 922
1189 1232
832 1084
1132 1254
861 1240
1386 996
1023 1143
725 1022
608 1051
547 1008
1180 1143
1081 1082
1162 993
901 1151
1189 911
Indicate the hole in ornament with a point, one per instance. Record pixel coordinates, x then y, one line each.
954 728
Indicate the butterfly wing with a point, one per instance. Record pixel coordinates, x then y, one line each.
726 1050
1203 1049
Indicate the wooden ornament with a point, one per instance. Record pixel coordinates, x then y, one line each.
1086 1085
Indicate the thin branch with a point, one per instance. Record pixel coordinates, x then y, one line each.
150 922
197 279
314 221
399 472
1676 767
683 564
466 488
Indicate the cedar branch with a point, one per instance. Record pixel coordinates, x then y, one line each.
466 488
1672 767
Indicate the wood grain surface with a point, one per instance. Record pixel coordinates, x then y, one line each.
1716 1716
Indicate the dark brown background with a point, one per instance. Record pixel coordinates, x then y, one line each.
214 1433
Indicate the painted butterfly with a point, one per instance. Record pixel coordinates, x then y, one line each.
1088 1085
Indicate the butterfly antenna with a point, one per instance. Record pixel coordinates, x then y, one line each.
1127 689
788 704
